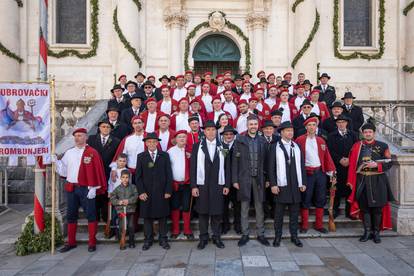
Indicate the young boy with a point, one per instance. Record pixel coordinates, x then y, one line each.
126 195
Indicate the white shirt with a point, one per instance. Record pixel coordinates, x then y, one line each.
135 111
177 158
315 109
211 146
207 102
246 96
166 107
70 163
179 93
242 123
299 101
306 93
231 108
165 137
198 90
220 89
270 102
155 154
133 146
312 155
217 114
106 138
181 121
286 111
151 122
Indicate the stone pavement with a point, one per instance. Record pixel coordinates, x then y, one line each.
321 256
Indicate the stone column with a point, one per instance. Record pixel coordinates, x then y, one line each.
304 18
10 38
257 22
128 20
409 54
175 22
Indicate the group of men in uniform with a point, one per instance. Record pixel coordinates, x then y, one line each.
195 144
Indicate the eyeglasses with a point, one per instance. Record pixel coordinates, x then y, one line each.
307 107
148 87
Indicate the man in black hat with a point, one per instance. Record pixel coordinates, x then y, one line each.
238 85
117 99
328 93
227 137
305 111
136 107
370 188
210 184
276 117
140 78
353 111
287 177
105 144
149 91
248 177
165 81
247 77
131 87
330 124
119 128
319 130
340 142
153 177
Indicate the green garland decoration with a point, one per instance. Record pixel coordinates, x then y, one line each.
138 3
309 40
30 243
211 13
123 39
229 25
408 8
408 69
19 3
358 54
95 38
318 73
297 2
10 54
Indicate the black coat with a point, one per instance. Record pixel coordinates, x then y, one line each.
127 115
275 139
298 126
241 167
155 179
340 146
120 106
330 125
328 96
234 89
357 118
106 152
120 130
290 193
211 198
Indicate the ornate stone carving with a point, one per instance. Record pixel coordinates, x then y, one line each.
217 21
256 20
179 18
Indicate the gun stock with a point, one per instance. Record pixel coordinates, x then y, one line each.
123 236
108 221
332 191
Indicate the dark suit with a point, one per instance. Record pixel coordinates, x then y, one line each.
127 115
329 125
119 105
107 153
298 126
328 95
120 130
268 203
238 92
357 118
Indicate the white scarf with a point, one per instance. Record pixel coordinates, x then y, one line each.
201 166
281 165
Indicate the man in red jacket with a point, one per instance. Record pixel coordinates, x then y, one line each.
318 164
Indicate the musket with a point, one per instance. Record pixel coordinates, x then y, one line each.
123 236
332 191
108 221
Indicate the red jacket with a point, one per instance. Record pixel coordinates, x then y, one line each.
210 116
174 106
293 111
170 139
173 124
144 116
91 170
324 111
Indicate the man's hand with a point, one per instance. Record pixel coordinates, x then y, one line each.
372 165
344 162
126 201
275 190
167 196
114 176
91 193
267 184
195 192
226 191
236 186
143 196
188 154
121 202
302 188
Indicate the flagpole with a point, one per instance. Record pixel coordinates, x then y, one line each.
53 149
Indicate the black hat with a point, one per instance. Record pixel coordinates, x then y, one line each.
268 123
137 96
246 73
193 118
209 123
263 80
325 75
285 124
229 128
116 86
173 78
313 114
139 74
348 95
284 83
307 82
148 83
306 102
164 77
276 112
105 122
151 135
337 104
238 77
342 117
131 82
112 108
368 125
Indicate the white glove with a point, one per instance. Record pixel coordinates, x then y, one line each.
53 158
91 193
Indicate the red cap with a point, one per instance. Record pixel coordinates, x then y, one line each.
195 101
310 120
227 91
183 99
207 73
163 115
197 75
219 76
123 75
206 83
179 77
246 82
272 86
258 89
180 132
253 99
189 72
300 86
164 86
315 91
152 76
283 89
150 100
228 79
271 74
258 73
216 97
191 85
79 130
136 117
227 72
243 101
287 73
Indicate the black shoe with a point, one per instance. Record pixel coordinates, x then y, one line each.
122 247
322 230
376 237
244 239
67 248
237 229
202 244
296 242
336 213
263 240
189 237
165 245
303 230
146 246
131 245
111 234
218 243
92 248
174 236
225 228
366 236
276 241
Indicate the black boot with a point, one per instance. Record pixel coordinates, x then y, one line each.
277 240
367 228
377 224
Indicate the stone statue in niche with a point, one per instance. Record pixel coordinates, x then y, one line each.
217 21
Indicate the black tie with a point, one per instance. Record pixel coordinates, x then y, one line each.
103 141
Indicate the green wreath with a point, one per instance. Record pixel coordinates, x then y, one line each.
408 8
229 25
10 54
95 38
406 68
358 54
